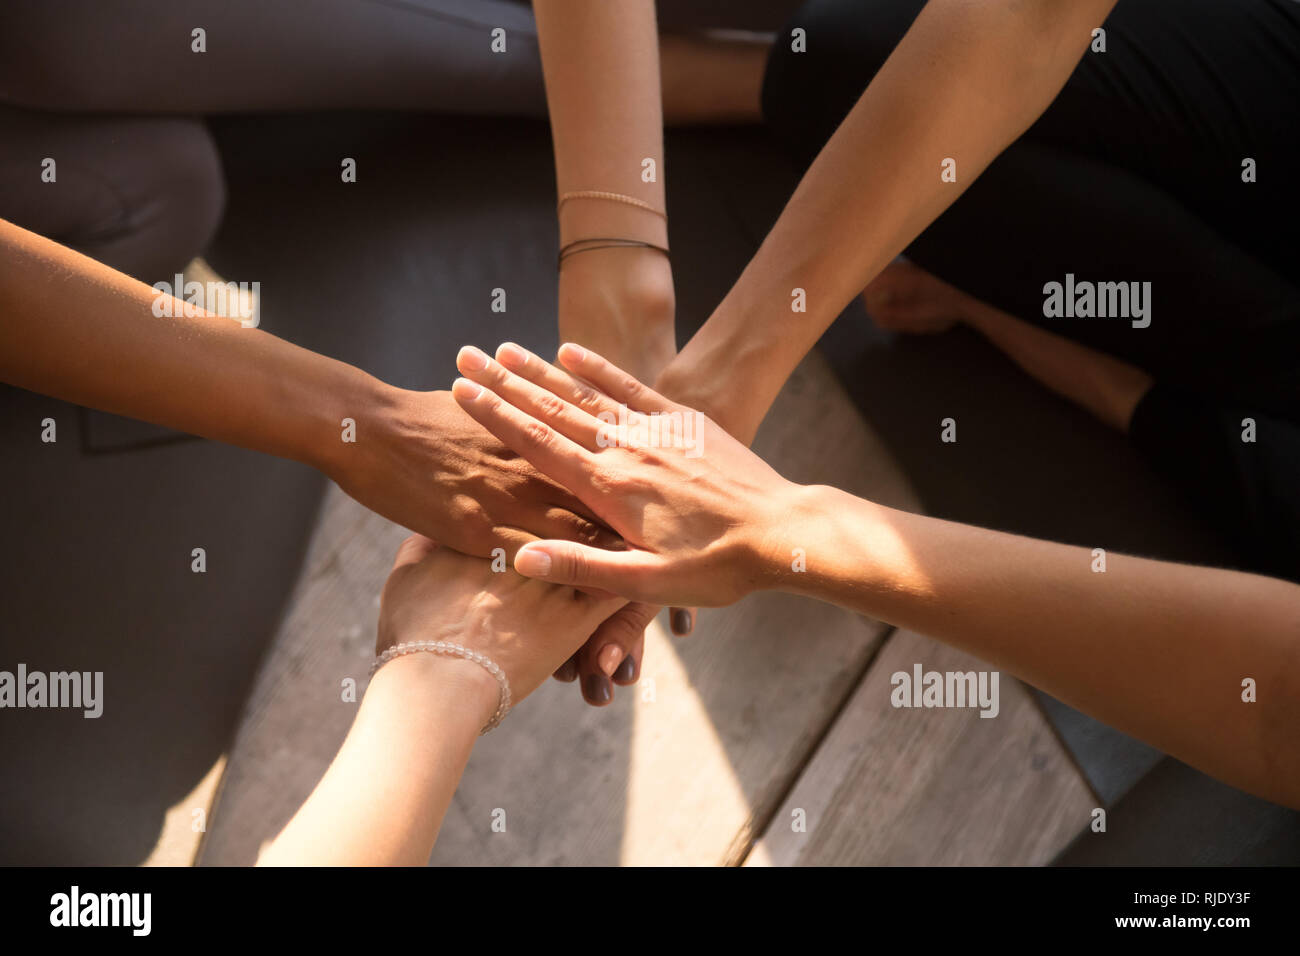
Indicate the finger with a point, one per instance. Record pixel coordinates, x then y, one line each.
612 380
629 671
546 449
625 573
603 654
572 520
510 539
545 406
559 521
682 620
555 380
568 671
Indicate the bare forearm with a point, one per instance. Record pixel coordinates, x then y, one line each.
964 82
75 329
382 800
601 64
1157 649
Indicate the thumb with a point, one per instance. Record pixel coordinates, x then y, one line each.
565 562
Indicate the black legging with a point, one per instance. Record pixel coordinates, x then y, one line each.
1133 174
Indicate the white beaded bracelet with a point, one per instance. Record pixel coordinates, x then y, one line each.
455 650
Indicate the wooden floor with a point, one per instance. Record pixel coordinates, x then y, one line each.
767 738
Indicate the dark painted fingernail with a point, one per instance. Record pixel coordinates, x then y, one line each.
681 622
626 672
596 689
568 671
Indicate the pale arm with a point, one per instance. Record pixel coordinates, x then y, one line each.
601 65
382 800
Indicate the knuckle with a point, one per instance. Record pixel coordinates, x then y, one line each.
548 406
633 387
605 482
586 532
579 567
626 628
467 511
586 396
537 434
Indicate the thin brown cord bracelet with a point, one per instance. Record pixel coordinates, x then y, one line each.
609 197
604 243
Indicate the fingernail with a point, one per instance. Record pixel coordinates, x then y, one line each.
626 672
568 671
533 563
596 689
465 390
573 352
512 356
681 622
475 360
610 656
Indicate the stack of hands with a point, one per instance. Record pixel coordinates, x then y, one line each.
615 531
633 527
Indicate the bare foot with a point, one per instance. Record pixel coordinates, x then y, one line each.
906 298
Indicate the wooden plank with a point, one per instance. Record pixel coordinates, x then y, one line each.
685 769
296 717
905 786
185 822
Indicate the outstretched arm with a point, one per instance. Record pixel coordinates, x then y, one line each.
965 81
1157 649
75 329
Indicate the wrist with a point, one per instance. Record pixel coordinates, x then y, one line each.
452 687
620 303
778 542
375 410
632 281
705 375
824 543
588 219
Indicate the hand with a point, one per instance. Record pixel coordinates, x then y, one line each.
611 656
527 627
620 303
423 463
695 516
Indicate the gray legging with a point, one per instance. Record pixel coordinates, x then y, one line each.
112 92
